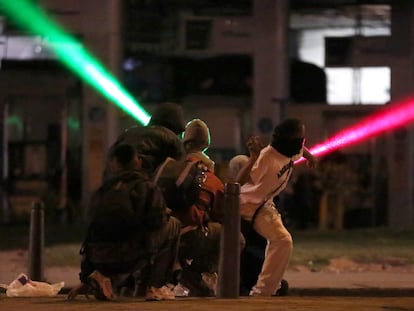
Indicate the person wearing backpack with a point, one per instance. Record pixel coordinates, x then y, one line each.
200 239
159 139
129 231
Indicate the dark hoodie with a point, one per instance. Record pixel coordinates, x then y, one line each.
169 115
158 140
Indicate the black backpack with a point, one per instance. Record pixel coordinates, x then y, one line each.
122 211
180 182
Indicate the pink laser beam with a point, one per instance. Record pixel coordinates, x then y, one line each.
394 116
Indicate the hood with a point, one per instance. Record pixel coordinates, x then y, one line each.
169 115
198 134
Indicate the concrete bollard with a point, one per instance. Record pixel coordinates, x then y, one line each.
229 263
36 241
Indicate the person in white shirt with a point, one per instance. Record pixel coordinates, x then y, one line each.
265 176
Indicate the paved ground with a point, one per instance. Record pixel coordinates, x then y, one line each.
342 278
195 304
324 291
336 288
307 282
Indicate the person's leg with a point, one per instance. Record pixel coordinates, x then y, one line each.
164 242
86 268
199 253
268 224
251 261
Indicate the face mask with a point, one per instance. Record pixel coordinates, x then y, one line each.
288 147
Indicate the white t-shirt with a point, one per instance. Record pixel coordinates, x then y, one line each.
268 177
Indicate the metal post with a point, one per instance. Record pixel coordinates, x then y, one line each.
36 241
229 263
63 195
5 167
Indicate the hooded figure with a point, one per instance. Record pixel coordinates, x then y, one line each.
196 141
169 115
156 141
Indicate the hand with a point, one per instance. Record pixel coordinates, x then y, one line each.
255 145
76 290
312 161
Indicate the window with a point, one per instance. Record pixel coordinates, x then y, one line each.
347 85
367 85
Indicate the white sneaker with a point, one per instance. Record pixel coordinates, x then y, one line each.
255 292
160 293
180 290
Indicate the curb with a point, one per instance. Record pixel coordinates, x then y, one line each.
355 292
334 292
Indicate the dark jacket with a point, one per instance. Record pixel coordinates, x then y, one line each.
125 205
122 215
154 143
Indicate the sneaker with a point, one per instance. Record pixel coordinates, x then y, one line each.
159 293
180 290
255 292
283 289
210 280
101 286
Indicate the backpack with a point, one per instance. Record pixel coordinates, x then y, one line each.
180 182
122 210
208 205
212 196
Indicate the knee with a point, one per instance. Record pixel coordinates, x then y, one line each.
287 241
283 240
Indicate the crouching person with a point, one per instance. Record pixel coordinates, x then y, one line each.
129 231
199 249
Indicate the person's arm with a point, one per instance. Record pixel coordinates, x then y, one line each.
255 145
312 160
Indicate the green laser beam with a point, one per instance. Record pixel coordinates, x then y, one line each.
72 54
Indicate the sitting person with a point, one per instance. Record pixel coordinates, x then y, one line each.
129 228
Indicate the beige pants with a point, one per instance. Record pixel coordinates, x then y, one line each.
268 223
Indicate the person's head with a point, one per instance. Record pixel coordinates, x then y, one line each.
235 165
196 136
126 157
169 115
288 137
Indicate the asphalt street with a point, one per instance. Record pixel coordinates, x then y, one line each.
290 303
